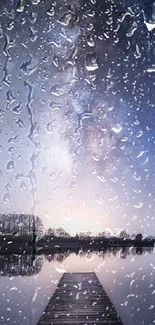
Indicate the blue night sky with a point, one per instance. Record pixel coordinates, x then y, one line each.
77 113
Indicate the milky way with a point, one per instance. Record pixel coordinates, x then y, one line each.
77 112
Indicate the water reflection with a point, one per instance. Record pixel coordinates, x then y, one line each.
15 265
27 282
29 265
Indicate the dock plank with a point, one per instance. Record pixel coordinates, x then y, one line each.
80 299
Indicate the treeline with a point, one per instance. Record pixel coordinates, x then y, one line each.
104 235
20 224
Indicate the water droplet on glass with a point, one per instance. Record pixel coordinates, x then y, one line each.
91 62
90 40
65 19
6 198
57 90
73 185
60 268
33 17
28 67
49 127
20 6
69 197
23 186
35 2
51 11
1 31
20 123
139 205
95 157
18 108
1 112
11 149
117 129
13 139
10 166
10 25
132 29
1 149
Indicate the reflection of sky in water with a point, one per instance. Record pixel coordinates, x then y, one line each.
23 299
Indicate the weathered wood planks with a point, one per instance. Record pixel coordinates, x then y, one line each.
80 299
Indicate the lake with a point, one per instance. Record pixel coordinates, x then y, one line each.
127 274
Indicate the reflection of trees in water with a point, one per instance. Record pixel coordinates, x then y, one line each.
15 265
28 265
58 257
122 252
105 252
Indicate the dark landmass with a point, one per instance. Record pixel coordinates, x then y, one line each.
95 243
21 233
20 244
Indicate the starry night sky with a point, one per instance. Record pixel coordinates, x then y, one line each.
77 114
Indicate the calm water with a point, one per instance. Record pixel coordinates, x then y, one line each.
128 276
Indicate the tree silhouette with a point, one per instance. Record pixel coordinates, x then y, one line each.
57 232
20 224
139 237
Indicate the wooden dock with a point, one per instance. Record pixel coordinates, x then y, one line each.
80 299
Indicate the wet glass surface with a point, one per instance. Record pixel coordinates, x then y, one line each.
77 146
127 275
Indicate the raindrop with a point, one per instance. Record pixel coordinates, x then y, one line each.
11 149
132 30
136 177
33 38
91 62
33 17
68 218
10 166
13 139
1 31
1 112
117 129
65 20
95 157
90 40
20 123
51 11
93 2
49 127
57 90
140 154
20 6
69 197
35 2
28 68
23 186
6 198
17 109
128 13
10 98
56 61
60 268
8 187
73 185
139 205
10 25
101 178
14 289
137 54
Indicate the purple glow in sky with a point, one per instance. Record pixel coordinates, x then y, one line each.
77 114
